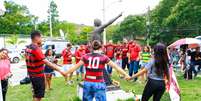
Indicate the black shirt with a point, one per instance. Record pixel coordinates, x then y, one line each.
195 56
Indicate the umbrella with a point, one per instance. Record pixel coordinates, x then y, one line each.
191 42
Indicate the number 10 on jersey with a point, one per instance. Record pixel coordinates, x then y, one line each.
94 62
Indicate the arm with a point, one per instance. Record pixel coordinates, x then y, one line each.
110 22
116 67
53 66
75 67
144 70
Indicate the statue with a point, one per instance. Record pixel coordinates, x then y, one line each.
99 28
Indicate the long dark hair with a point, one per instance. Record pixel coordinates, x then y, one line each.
47 52
161 60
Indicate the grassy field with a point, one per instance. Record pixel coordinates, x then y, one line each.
190 90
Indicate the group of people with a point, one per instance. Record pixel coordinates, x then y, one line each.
92 62
188 59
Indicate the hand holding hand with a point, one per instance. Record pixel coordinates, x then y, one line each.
62 73
127 77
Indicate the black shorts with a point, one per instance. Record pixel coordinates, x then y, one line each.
38 86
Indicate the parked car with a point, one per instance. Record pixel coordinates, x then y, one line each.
56 45
14 55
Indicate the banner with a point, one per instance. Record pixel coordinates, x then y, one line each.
174 90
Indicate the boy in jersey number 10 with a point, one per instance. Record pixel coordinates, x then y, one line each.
94 85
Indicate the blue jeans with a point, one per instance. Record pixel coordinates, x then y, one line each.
109 69
133 67
94 90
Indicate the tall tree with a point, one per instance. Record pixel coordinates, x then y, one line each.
131 27
17 19
53 12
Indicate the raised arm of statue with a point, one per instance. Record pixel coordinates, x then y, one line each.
110 22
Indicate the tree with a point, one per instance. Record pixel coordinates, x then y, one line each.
53 12
14 40
131 27
84 35
16 20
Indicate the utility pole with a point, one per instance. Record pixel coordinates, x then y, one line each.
104 32
50 18
148 25
104 18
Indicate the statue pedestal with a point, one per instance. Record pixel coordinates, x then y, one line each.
113 93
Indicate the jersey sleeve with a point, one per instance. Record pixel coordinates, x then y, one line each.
39 54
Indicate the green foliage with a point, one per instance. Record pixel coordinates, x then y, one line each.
16 20
54 17
131 27
14 40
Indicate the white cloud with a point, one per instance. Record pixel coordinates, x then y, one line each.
84 11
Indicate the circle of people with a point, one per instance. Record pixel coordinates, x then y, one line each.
93 62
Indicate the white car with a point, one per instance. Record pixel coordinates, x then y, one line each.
14 55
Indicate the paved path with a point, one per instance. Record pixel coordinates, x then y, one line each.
19 72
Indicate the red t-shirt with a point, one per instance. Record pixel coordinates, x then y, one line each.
109 50
78 54
134 52
34 61
94 64
124 51
118 51
67 56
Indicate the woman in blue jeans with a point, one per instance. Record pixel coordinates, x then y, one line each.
94 84
158 74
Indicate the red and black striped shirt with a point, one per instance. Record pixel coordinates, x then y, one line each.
34 61
94 64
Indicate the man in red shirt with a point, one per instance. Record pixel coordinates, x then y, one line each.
35 61
67 62
134 56
78 54
109 51
125 56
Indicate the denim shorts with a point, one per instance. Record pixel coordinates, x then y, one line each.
93 90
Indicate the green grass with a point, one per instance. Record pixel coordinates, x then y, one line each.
190 90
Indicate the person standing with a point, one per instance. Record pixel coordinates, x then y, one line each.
125 56
145 57
49 71
78 54
109 51
67 62
94 84
5 71
195 60
35 61
134 58
158 74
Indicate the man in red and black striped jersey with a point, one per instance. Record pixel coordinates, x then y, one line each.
94 84
35 61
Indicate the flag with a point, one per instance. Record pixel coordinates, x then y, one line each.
173 88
